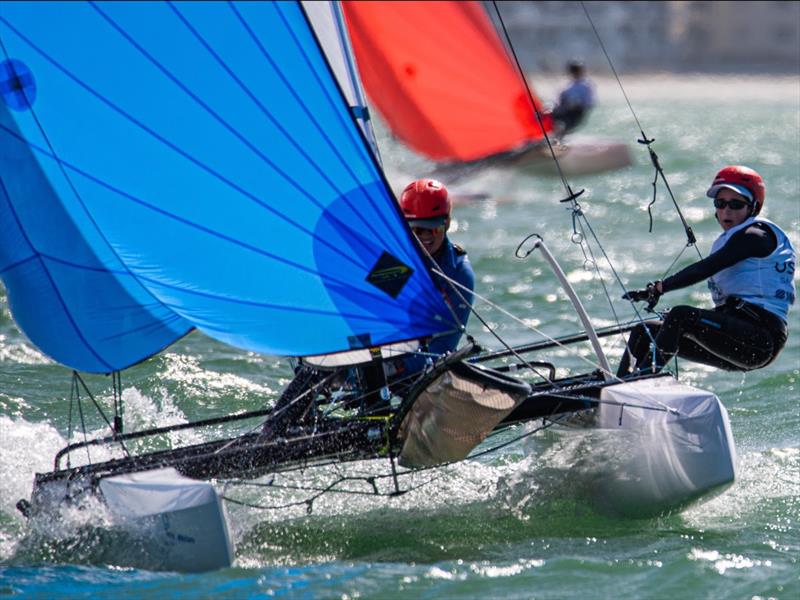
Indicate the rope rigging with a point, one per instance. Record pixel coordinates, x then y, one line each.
645 140
372 479
578 216
579 221
373 440
571 196
75 398
691 240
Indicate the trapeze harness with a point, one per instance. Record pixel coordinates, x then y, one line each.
750 274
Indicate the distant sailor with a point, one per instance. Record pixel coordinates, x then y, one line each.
575 101
751 276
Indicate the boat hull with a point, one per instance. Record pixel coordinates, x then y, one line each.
183 517
576 157
170 522
658 446
163 500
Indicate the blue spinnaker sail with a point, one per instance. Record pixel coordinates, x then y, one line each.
66 289
212 149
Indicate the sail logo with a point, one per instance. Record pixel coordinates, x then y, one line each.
17 85
389 274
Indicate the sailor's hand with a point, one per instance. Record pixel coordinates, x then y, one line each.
636 295
650 294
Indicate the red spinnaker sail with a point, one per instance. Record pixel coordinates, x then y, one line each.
441 78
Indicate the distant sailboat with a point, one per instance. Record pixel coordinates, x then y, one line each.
444 83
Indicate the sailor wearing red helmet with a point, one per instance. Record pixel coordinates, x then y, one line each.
750 273
426 206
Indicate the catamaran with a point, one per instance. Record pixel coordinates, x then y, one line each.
163 166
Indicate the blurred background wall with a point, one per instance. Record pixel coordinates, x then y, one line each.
678 36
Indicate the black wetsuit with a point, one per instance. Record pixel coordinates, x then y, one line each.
736 336
569 117
574 103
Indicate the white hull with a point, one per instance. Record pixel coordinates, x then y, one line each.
657 446
187 516
576 157
652 447
181 522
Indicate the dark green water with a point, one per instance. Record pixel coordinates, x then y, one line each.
513 525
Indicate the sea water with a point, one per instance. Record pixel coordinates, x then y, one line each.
518 523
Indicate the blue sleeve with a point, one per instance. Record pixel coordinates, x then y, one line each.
461 299
461 302
757 240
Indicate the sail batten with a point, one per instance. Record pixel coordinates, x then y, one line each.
336 314
360 146
86 312
207 157
157 209
244 88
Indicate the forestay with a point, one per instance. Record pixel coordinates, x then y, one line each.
205 156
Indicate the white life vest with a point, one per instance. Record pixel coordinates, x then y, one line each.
767 282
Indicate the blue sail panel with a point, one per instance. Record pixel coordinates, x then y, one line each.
211 146
67 291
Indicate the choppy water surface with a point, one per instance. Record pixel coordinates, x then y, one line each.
517 524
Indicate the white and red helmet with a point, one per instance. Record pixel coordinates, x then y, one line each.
742 180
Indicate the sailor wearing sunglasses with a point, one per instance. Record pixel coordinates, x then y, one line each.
750 274
426 205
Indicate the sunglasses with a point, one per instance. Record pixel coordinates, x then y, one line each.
434 231
732 204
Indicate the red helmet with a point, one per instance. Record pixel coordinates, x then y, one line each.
425 199
743 180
